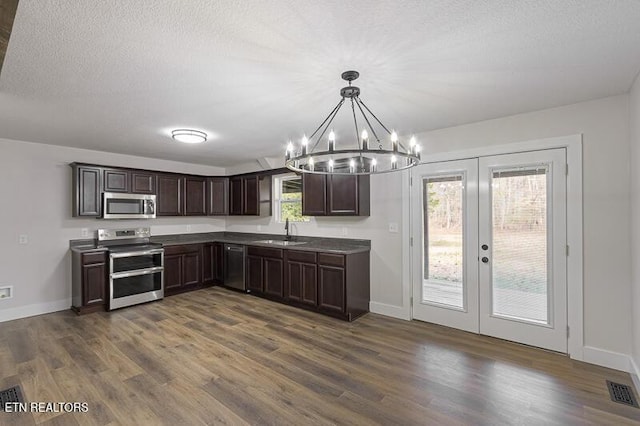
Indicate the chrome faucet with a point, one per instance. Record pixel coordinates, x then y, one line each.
287 237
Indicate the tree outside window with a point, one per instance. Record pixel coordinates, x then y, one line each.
289 199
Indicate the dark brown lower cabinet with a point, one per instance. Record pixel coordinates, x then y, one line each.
264 271
212 263
254 274
333 284
182 268
301 277
89 281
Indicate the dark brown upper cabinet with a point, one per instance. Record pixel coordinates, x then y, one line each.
314 195
195 196
143 182
116 180
217 196
250 195
87 184
335 195
169 195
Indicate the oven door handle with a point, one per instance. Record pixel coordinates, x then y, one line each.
127 274
135 253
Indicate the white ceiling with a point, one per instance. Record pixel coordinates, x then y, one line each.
119 75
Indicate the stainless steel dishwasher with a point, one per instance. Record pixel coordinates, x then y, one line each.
234 257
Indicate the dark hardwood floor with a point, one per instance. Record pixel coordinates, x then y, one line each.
218 357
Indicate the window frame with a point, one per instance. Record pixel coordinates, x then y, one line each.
278 201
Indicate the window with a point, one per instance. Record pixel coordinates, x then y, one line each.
288 199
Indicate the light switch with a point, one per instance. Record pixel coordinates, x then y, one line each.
24 239
393 227
84 232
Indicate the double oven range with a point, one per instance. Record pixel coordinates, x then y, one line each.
136 266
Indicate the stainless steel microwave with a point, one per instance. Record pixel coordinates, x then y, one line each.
128 206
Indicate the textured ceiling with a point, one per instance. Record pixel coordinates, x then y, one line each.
118 75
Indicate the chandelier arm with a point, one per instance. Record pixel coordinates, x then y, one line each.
355 122
368 123
331 117
335 110
380 122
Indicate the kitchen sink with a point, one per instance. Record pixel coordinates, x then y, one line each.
281 242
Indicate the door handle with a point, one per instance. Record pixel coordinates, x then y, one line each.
485 260
485 247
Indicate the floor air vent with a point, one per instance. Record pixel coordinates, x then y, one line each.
622 394
13 394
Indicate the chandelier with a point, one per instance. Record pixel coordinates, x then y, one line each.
367 155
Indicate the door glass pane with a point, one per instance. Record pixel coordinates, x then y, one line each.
519 264
443 203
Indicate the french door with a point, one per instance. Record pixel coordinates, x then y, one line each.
489 246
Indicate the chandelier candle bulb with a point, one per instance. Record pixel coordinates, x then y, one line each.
332 141
365 140
394 162
311 164
305 142
394 141
289 150
352 166
374 162
331 165
418 152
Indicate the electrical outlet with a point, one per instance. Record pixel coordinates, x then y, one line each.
6 292
23 239
84 232
188 228
393 227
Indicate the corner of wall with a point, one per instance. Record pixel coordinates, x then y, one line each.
634 151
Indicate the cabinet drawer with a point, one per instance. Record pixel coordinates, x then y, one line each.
91 258
330 259
301 256
181 249
265 252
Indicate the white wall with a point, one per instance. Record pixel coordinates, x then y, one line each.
634 114
35 200
604 124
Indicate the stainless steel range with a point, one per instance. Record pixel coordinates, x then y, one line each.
136 266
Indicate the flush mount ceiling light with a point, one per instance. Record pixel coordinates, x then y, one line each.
366 155
189 136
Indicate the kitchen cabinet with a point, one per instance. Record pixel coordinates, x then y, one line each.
89 281
87 184
143 182
115 180
329 283
217 196
212 263
301 281
169 195
335 195
250 195
264 271
195 196
182 268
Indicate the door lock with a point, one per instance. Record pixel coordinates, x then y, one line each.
485 247
485 260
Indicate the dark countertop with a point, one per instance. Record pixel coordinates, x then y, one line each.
331 245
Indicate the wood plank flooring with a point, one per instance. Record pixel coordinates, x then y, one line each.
218 357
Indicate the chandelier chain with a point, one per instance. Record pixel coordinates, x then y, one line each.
367 120
355 122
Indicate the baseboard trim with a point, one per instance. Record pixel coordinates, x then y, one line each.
389 310
635 375
35 309
605 358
